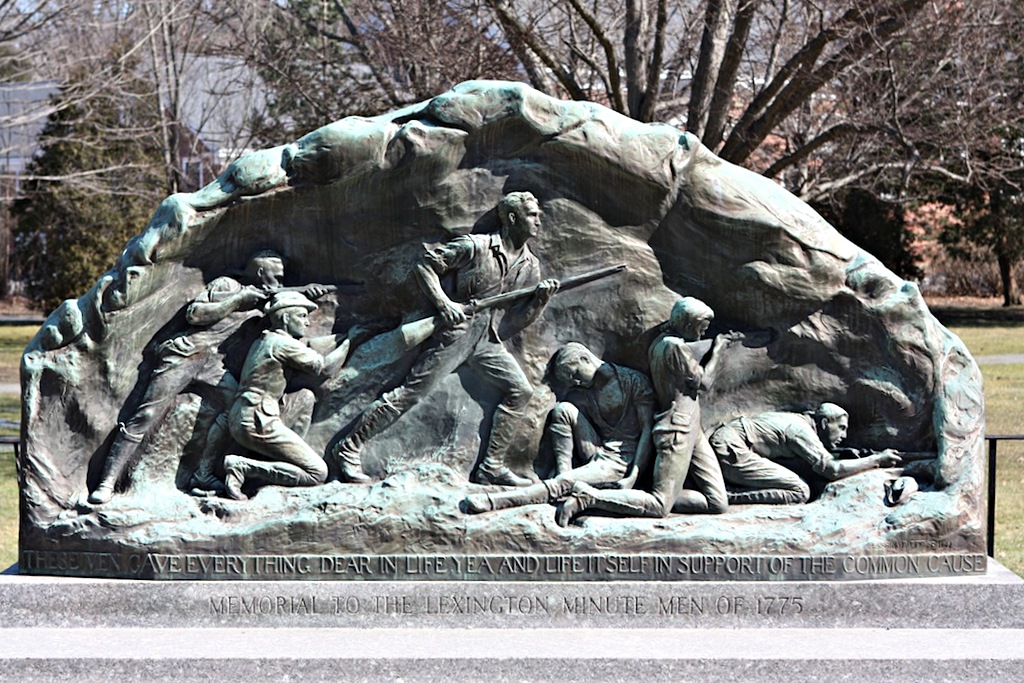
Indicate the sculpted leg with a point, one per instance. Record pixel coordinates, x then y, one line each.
548 491
564 418
492 469
497 367
121 452
239 470
486 502
763 481
627 503
436 362
375 419
217 440
168 380
769 497
706 473
708 495
769 483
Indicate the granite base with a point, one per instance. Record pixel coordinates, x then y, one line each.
962 629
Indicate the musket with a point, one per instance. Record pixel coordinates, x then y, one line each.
344 288
303 288
428 325
563 285
905 456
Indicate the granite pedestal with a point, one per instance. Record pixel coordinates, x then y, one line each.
946 629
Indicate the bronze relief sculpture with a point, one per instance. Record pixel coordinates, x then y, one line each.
455 390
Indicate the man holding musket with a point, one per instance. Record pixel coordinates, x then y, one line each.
484 266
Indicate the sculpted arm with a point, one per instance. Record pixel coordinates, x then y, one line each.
334 348
541 296
830 467
709 371
644 448
211 307
435 263
334 360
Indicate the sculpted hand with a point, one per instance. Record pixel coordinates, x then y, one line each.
250 296
314 291
887 458
728 338
627 481
452 314
545 290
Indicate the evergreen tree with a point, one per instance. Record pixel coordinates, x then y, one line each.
92 186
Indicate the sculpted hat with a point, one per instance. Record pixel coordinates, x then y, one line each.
288 300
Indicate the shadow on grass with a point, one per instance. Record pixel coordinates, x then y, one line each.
975 316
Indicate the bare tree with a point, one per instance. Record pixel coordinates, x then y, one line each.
150 78
325 59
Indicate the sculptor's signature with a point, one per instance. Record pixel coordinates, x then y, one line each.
921 544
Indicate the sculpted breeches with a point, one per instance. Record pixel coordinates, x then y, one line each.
767 481
257 425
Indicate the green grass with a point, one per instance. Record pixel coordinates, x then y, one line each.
1004 400
13 339
996 338
8 508
1004 397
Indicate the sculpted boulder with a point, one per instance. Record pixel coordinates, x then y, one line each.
353 205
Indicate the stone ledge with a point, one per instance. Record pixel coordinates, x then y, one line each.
991 601
736 655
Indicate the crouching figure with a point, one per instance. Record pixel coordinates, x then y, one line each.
601 435
684 455
255 418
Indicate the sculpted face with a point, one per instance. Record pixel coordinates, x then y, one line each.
690 329
271 272
525 222
690 318
531 217
123 289
296 321
580 371
833 431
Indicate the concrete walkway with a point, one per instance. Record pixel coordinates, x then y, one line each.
1005 359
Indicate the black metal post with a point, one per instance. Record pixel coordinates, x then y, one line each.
990 531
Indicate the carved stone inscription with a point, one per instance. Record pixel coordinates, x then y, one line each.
625 605
503 567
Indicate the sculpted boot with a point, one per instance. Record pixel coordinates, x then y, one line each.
375 419
235 470
204 482
120 454
238 470
766 497
476 503
562 446
492 469
586 497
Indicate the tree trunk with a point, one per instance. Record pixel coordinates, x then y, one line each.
712 51
1011 295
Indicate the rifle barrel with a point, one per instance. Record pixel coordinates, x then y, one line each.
563 285
297 288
